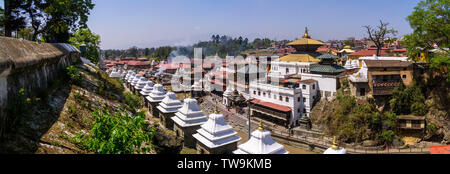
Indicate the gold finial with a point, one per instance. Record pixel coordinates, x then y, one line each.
306 35
335 145
260 126
216 111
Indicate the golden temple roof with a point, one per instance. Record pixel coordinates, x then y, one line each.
347 49
306 40
298 58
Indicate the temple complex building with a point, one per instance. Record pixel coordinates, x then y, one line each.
188 120
167 109
260 142
216 136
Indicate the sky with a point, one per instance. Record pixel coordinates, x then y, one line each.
151 23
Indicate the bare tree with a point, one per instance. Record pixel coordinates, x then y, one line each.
379 34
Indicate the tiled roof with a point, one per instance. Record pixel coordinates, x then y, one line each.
272 105
137 63
308 81
327 68
298 58
386 63
306 41
368 52
328 56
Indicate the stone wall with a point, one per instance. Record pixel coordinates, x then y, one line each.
30 65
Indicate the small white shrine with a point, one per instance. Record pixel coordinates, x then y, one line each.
216 136
141 83
226 96
187 120
261 142
167 108
157 95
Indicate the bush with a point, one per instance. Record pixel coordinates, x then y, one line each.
133 100
74 74
419 109
116 133
386 137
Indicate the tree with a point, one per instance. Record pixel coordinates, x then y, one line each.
84 36
25 33
431 24
379 35
13 21
2 21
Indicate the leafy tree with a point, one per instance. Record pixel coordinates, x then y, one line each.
84 36
431 24
407 100
13 20
378 35
25 33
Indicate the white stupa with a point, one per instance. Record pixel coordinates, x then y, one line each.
335 149
187 120
114 73
147 89
189 114
127 76
141 83
261 142
348 64
135 80
131 77
157 95
170 103
355 64
216 133
227 95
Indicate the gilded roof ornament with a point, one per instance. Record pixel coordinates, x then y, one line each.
306 35
335 145
260 126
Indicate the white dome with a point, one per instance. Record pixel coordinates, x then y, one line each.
157 95
147 88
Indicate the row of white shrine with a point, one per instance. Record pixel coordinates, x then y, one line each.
214 131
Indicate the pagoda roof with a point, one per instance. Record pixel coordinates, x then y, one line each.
298 58
327 56
305 40
327 68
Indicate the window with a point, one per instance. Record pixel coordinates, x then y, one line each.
304 99
274 96
385 69
299 99
304 86
259 93
287 70
304 110
404 69
404 76
254 92
281 98
314 87
298 110
287 99
264 94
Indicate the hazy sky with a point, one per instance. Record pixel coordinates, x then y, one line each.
149 23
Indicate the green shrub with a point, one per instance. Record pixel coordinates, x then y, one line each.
116 133
133 100
386 137
419 109
74 74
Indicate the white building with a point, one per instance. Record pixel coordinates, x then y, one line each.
216 136
261 142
